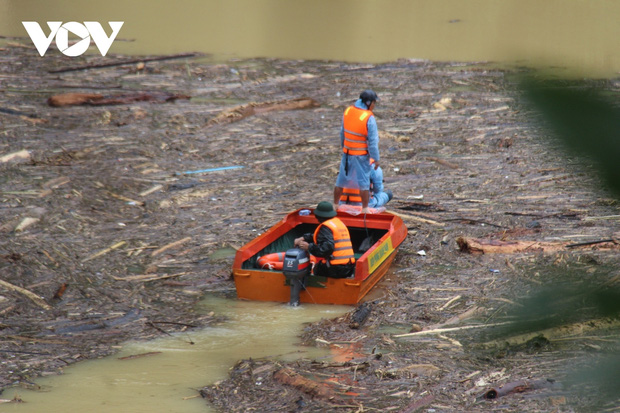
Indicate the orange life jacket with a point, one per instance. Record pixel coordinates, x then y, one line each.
355 122
352 196
343 249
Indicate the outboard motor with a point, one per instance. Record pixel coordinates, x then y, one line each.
296 267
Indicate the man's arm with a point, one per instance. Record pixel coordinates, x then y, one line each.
373 140
324 247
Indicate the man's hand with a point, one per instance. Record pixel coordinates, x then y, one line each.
301 244
376 164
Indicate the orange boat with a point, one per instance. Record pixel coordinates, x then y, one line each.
253 283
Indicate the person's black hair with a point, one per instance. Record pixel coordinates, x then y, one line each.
368 96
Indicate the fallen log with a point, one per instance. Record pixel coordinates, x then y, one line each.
488 246
96 99
314 389
241 112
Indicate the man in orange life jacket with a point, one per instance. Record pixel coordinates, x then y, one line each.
359 139
377 197
331 243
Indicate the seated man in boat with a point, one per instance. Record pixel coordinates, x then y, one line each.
351 195
330 243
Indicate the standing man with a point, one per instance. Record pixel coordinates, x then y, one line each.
359 139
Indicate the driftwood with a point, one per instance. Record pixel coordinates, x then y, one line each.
518 387
96 99
487 246
72 99
472 312
419 206
23 115
171 245
589 243
123 62
25 223
444 162
241 112
80 327
444 330
148 277
137 356
570 330
314 389
32 296
475 221
414 406
416 218
22 155
124 198
105 251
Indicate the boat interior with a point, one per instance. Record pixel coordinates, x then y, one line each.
285 242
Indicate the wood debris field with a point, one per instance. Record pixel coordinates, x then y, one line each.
114 206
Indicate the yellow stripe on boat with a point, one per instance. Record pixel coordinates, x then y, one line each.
380 254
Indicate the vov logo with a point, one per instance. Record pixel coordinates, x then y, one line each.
83 31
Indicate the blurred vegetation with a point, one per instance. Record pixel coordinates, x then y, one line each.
586 121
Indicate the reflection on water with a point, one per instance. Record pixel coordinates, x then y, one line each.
582 35
168 380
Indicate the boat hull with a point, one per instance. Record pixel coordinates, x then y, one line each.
269 285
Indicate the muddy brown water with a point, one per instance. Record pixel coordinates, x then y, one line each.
577 37
168 379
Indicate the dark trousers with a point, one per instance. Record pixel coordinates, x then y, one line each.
323 269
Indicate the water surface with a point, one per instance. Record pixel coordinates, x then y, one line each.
576 36
169 380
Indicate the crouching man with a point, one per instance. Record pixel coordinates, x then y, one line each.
378 197
330 243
